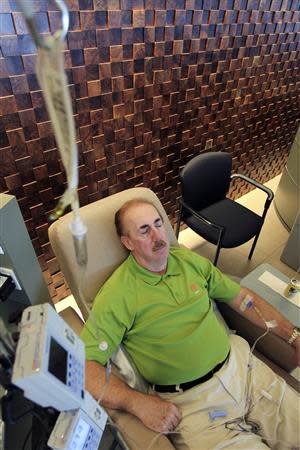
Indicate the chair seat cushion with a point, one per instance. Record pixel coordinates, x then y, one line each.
240 223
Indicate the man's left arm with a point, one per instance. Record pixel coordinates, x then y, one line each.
264 312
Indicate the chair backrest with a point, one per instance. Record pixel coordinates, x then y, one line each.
205 179
105 250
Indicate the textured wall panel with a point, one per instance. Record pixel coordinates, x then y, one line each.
153 83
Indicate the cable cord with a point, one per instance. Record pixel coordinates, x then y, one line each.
137 444
247 385
159 435
242 418
247 425
240 427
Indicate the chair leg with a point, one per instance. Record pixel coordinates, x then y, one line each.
178 222
221 231
217 255
253 245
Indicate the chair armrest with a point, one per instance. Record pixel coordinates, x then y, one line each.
273 347
255 183
135 434
290 380
268 191
201 218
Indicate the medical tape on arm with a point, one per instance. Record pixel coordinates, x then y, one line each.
248 302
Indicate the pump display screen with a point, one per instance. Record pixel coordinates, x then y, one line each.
80 434
58 359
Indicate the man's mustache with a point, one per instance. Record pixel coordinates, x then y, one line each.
158 245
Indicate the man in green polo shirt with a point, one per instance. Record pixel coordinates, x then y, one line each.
158 304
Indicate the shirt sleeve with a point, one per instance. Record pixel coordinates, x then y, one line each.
219 286
111 317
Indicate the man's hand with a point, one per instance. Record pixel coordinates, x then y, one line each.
157 414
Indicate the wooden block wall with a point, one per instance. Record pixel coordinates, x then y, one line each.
153 83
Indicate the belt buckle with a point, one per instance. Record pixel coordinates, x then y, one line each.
178 388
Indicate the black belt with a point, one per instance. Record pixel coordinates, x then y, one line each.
188 384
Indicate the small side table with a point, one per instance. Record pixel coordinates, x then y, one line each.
288 309
251 281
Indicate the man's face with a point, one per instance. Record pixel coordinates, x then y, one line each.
146 237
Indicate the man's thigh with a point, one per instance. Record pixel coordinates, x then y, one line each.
205 413
275 407
226 394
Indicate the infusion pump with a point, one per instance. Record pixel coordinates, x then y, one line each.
49 367
79 429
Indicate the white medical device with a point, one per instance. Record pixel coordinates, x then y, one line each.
50 359
79 429
49 367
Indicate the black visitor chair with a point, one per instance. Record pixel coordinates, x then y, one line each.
205 181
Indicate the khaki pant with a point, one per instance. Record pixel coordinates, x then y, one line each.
256 394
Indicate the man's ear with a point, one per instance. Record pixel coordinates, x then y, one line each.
127 242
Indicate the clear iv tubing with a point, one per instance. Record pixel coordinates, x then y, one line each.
247 398
243 419
189 440
152 442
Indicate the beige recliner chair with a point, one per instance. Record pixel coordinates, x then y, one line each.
105 254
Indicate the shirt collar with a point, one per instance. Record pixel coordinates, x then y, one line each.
152 277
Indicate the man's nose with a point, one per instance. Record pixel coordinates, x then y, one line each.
155 232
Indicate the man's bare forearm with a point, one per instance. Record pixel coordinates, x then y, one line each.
156 414
266 312
117 395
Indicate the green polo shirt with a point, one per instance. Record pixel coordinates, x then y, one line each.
166 322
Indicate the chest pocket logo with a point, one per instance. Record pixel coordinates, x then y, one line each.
195 288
